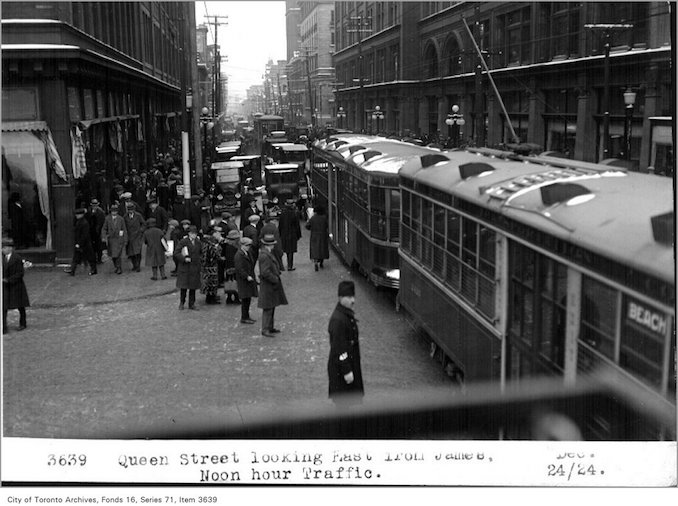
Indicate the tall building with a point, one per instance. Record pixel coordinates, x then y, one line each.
310 68
548 60
91 90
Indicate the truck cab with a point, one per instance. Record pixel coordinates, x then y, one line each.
226 176
281 178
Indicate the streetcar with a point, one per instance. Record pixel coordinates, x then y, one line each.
516 267
355 177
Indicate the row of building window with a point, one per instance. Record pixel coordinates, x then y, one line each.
148 36
535 33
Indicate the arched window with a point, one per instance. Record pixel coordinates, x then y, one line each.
452 57
430 62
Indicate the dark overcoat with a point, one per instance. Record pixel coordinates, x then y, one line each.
319 242
244 266
83 239
96 218
290 229
155 250
188 273
344 353
271 228
161 217
114 232
271 292
136 225
252 232
14 293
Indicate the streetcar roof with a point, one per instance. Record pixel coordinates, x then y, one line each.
601 208
373 153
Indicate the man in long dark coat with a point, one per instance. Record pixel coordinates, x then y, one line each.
343 366
14 293
136 225
319 241
158 213
271 227
252 232
290 231
96 218
244 276
271 292
82 247
187 258
156 246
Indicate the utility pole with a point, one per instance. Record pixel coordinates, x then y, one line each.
307 55
358 25
607 33
216 67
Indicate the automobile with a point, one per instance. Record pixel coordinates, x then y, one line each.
227 175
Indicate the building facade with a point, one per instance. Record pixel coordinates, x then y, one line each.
91 90
548 61
310 69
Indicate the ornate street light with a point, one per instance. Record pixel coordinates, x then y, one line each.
341 114
454 121
377 115
629 100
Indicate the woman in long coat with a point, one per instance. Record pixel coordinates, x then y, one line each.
114 236
155 249
135 224
320 247
209 265
243 263
187 258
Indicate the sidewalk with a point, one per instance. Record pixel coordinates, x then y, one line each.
52 287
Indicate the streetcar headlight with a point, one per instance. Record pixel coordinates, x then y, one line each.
393 274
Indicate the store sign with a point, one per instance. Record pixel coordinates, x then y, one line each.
647 317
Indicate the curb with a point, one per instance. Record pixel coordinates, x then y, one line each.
101 302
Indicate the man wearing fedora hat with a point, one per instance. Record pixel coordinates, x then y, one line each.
271 227
245 278
96 218
290 230
136 225
14 293
82 247
343 366
114 237
187 258
271 293
159 213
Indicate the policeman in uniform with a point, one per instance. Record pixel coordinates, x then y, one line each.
343 367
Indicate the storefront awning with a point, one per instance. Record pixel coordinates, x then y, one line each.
23 126
85 124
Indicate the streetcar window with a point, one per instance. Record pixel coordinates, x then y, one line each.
598 319
452 275
643 337
427 233
439 221
394 215
407 213
416 223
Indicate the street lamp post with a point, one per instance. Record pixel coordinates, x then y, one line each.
341 114
454 121
377 115
629 100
